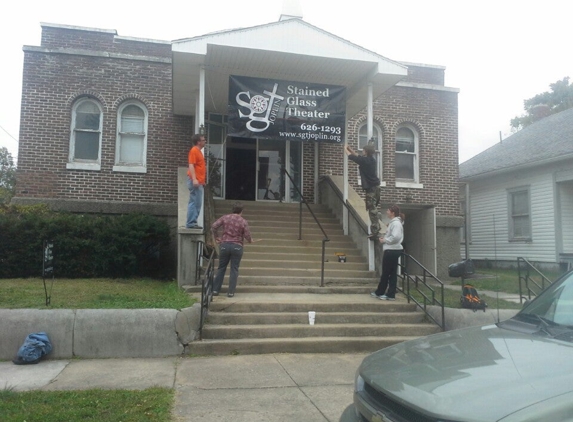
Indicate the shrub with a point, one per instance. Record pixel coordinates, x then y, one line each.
84 245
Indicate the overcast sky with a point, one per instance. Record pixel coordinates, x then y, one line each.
497 52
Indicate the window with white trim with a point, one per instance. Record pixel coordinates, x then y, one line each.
131 141
86 135
377 140
407 154
519 214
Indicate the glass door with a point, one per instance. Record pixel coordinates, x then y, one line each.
271 157
215 152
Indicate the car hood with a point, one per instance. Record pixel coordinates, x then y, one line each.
478 373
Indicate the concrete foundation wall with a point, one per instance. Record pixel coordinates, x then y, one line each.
101 333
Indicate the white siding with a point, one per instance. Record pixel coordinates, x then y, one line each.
489 217
566 196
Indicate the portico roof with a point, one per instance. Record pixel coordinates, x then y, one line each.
290 50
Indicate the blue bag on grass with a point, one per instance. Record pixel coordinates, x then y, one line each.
35 347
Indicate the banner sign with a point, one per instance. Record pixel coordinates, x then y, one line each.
282 110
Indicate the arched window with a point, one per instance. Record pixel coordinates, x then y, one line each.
376 139
131 142
85 140
407 154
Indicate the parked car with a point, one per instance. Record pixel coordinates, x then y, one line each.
520 369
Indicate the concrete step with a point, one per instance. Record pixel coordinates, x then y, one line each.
294 345
308 280
272 289
375 305
301 246
299 255
334 272
270 318
318 330
252 262
280 229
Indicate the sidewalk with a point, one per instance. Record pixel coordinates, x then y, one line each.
277 387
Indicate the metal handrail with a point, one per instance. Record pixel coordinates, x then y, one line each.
206 285
324 240
429 294
522 262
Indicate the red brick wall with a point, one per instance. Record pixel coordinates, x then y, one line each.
53 81
54 37
425 75
51 84
435 115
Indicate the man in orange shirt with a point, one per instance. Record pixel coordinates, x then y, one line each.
195 181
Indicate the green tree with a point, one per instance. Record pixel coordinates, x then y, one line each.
559 98
7 176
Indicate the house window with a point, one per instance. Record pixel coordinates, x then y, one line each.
377 139
86 130
407 154
519 214
131 142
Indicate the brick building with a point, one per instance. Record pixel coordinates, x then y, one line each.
106 122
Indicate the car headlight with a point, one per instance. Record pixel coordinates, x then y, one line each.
358 383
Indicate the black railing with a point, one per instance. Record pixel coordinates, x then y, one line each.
324 240
424 289
206 275
535 282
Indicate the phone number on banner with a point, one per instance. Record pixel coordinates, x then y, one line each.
325 129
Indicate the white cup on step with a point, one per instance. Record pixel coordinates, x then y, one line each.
311 317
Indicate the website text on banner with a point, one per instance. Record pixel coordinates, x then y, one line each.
283 110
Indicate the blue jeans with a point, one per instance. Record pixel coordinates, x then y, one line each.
195 203
232 252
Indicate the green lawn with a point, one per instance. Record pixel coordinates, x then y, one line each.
503 280
153 404
92 294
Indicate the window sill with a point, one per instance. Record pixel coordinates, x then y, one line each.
410 185
521 240
83 166
130 169
382 184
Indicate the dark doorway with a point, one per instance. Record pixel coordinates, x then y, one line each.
240 182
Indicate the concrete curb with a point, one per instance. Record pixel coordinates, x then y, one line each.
462 318
102 333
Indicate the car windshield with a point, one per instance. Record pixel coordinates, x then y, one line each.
555 305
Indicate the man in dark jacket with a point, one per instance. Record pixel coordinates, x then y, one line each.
368 169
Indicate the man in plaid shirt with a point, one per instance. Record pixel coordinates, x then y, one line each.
229 232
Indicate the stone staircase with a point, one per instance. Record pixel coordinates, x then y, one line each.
279 283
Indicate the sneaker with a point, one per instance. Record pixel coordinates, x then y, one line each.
384 297
215 293
230 294
373 294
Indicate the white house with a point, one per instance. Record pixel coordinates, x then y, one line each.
518 196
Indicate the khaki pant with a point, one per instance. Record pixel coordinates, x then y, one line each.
372 201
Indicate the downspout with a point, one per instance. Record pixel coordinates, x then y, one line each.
466 221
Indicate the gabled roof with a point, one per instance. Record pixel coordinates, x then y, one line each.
545 141
291 50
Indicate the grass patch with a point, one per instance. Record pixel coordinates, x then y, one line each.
99 293
452 299
503 280
152 404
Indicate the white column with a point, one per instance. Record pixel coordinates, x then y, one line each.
370 112
370 128
200 121
345 182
